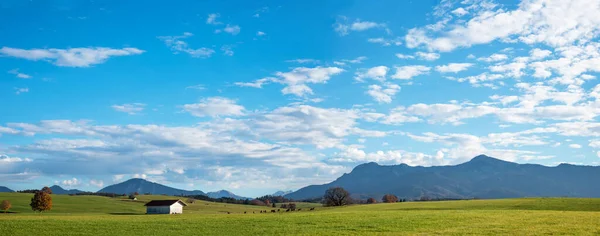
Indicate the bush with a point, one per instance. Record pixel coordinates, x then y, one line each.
5 205
371 201
336 197
41 201
389 198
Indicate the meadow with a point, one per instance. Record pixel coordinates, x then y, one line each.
93 215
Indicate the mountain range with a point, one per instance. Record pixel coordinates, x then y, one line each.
5 190
143 186
225 193
59 190
481 177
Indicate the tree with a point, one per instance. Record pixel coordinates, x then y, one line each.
336 197
47 190
267 202
389 198
273 205
292 206
371 201
5 205
41 201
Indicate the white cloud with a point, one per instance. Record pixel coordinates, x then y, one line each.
385 42
534 21
227 50
408 72
97 183
260 33
130 108
19 74
232 29
404 56
510 70
574 145
494 58
383 95
6 159
376 73
21 90
453 67
177 45
297 79
357 60
460 11
537 54
212 19
70 182
343 27
72 57
214 106
429 56
256 84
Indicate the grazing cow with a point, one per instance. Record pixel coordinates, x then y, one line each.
278 210
253 212
312 209
287 210
299 209
272 211
228 213
244 212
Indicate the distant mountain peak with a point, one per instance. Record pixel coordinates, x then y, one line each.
486 159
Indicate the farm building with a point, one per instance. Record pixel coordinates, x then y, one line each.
165 207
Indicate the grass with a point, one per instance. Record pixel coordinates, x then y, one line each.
90 215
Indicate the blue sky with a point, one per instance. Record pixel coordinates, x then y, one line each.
260 96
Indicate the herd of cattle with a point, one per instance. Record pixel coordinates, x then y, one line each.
279 210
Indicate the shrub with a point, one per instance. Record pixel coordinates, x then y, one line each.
41 201
371 201
389 198
5 205
336 197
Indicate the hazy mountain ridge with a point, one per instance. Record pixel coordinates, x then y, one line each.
281 193
5 190
225 193
143 186
481 177
59 190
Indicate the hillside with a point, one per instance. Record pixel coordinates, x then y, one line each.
224 193
5 190
143 186
59 190
83 204
482 177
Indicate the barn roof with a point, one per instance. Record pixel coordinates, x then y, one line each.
164 202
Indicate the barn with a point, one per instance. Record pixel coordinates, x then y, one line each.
165 207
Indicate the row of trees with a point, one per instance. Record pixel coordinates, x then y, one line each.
338 196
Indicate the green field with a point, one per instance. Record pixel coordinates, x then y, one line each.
91 215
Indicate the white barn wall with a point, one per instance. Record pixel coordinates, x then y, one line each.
176 208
